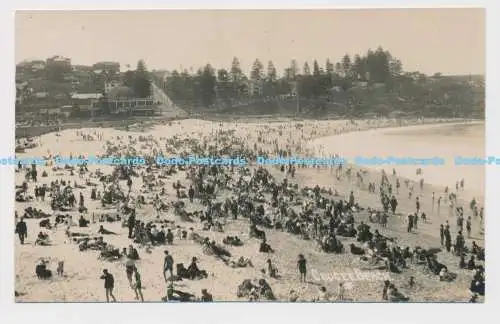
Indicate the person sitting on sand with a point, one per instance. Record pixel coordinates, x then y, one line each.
193 272
471 265
42 239
265 248
104 231
82 222
42 272
324 295
293 296
206 296
395 296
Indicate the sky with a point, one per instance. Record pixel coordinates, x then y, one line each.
449 41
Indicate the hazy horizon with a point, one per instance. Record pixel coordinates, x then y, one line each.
449 41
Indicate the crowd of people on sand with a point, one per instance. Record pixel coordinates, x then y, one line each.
266 199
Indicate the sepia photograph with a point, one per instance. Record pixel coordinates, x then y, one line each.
319 156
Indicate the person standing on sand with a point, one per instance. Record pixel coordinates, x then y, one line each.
447 237
138 285
441 234
22 230
302 266
168 266
109 284
417 205
131 225
410 223
468 226
394 204
385 295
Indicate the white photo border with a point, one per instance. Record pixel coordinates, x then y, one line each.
241 312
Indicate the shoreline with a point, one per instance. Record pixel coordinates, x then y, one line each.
388 167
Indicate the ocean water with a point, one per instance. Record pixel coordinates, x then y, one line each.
426 141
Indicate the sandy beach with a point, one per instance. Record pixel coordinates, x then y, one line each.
81 282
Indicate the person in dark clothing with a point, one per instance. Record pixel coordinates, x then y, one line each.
132 254
104 231
206 296
265 248
168 266
169 237
109 284
22 230
82 222
131 225
42 272
302 266
385 295
410 223
191 193
234 210
394 204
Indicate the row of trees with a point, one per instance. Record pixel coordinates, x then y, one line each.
209 85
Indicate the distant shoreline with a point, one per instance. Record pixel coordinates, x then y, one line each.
34 131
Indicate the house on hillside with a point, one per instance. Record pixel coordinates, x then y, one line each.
110 68
122 101
37 65
84 100
58 59
82 68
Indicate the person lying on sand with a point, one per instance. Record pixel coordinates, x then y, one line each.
109 252
177 295
232 240
241 262
104 231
